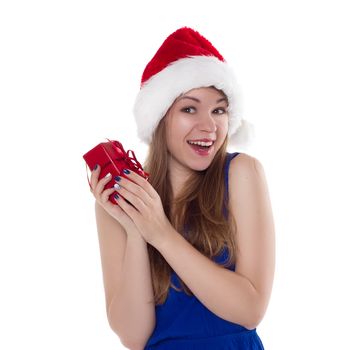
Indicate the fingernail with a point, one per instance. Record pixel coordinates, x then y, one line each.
126 171
116 196
117 186
96 166
117 178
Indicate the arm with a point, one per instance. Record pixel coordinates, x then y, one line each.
127 284
132 311
239 296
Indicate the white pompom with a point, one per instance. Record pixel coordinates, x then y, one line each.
244 135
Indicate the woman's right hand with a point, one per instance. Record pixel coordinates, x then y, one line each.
102 197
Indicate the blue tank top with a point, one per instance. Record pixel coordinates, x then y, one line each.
184 323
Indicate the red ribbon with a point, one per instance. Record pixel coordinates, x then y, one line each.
132 162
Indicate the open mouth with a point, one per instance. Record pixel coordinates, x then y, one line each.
201 148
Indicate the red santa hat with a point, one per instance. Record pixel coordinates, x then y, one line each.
186 60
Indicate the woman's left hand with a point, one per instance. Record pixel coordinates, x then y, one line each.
148 213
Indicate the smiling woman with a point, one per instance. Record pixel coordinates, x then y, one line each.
198 260
183 122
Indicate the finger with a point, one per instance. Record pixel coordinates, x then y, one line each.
142 183
101 184
105 194
135 201
94 176
107 204
127 206
113 209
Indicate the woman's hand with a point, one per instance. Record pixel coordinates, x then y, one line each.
102 197
145 208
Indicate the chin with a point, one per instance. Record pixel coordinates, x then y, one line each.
202 163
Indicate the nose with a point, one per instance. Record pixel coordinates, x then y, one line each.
207 122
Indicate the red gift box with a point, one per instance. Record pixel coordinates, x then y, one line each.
112 159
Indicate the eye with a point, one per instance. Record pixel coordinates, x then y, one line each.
186 109
222 110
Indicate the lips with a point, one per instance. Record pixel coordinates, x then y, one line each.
200 150
188 141
202 140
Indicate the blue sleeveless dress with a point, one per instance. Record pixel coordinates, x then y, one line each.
184 323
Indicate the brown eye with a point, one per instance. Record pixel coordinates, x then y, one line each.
187 109
222 110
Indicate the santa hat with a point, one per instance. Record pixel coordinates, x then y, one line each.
186 60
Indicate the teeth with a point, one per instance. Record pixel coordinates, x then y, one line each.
200 143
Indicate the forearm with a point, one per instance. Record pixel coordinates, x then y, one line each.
131 313
226 293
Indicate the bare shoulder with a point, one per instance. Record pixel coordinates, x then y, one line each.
243 167
247 184
245 160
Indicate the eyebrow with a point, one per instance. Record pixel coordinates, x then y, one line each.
197 100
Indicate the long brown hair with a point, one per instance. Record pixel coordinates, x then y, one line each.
199 206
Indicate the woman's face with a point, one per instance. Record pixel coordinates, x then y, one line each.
198 114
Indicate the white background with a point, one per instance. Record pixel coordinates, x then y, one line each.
69 74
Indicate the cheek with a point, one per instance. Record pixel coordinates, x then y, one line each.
223 126
180 127
183 120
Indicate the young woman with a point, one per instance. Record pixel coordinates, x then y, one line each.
188 256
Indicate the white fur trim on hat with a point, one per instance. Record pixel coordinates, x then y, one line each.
159 92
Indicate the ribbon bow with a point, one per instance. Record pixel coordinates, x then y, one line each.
132 162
